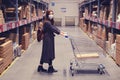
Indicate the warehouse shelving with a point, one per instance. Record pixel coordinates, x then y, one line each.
19 30
108 23
102 27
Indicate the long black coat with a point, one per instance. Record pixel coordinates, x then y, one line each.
48 48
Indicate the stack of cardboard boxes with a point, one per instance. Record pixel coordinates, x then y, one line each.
1 65
94 28
81 22
28 12
13 37
103 38
40 13
10 14
85 28
86 12
6 53
118 49
33 10
2 21
89 29
111 43
25 41
100 36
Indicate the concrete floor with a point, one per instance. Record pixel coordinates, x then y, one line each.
25 67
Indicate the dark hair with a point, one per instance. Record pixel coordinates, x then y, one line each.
47 17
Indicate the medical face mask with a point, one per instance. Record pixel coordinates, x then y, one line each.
51 16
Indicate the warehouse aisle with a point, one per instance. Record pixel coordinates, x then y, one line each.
25 67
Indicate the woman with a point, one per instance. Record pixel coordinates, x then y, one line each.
48 50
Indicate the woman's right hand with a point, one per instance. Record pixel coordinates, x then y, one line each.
64 34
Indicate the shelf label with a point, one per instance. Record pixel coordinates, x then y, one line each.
20 22
25 21
110 23
1 28
17 24
118 25
9 26
4 27
13 25
106 22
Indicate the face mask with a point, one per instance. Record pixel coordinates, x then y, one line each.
51 16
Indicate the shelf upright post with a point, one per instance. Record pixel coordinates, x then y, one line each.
42 11
31 25
17 19
90 8
114 14
98 10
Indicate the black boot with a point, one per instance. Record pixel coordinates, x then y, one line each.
51 69
41 69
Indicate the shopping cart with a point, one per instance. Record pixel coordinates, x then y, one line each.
78 63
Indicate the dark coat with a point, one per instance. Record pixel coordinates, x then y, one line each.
48 48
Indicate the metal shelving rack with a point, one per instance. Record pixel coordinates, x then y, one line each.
18 25
110 24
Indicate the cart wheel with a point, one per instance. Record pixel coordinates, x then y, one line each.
101 72
71 63
98 70
76 64
70 67
72 72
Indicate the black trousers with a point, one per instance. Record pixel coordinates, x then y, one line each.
50 63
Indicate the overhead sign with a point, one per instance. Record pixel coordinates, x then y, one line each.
52 3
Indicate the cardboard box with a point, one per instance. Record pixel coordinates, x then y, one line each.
2 21
110 38
85 28
25 41
1 61
2 68
6 52
34 35
117 46
13 37
118 38
103 36
99 32
5 46
2 40
117 57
